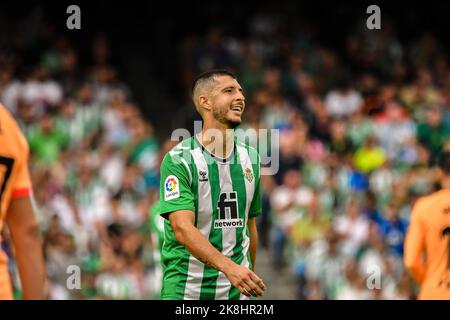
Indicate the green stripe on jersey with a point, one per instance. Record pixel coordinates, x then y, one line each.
237 172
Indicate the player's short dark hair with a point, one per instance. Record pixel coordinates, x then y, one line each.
444 162
211 74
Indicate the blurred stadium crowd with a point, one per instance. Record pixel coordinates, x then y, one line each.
360 132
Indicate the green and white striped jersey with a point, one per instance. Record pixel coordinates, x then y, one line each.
223 194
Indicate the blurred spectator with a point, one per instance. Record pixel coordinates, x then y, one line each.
354 287
340 144
46 141
394 130
287 201
352 228
344 101
40 91
369 157
393 229
433 133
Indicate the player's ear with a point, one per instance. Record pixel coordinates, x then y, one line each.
204 103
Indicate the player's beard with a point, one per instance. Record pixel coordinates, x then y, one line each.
220 114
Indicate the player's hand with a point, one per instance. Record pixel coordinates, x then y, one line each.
245 280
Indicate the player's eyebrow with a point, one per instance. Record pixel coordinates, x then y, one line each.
233 87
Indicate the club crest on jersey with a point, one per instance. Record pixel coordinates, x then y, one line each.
203 175
171 188
228 209
248 174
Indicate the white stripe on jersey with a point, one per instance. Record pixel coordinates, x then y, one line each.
188 169
204 217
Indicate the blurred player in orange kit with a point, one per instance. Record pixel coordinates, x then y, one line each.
427 244
17 212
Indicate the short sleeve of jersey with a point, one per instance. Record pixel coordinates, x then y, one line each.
255 207
175 187
22 183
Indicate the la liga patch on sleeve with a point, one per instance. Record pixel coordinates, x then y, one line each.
171 188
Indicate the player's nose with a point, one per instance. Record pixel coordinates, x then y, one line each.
240 96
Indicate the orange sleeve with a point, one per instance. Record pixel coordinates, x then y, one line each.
22 181
415 245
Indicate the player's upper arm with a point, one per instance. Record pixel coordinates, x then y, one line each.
415 243
20 217
181 218
175 187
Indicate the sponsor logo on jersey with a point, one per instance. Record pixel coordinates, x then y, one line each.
230 223
227 207
171 188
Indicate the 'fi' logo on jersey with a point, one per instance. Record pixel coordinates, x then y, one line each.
248 174
228 211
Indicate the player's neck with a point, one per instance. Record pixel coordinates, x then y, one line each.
219 141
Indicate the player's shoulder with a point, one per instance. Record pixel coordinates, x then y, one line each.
7 120
180 151
425 202
10 133
182 147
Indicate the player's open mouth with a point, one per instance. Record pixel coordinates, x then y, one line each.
237 109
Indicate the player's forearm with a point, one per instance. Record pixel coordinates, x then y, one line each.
253 241
27 245
201 248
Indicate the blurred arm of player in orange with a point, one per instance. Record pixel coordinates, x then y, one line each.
415 245
17 211
25 236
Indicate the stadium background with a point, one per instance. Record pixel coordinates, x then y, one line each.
362 115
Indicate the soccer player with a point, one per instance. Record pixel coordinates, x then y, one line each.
17 211
427 243
210 196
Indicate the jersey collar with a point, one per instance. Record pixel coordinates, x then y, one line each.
218 159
